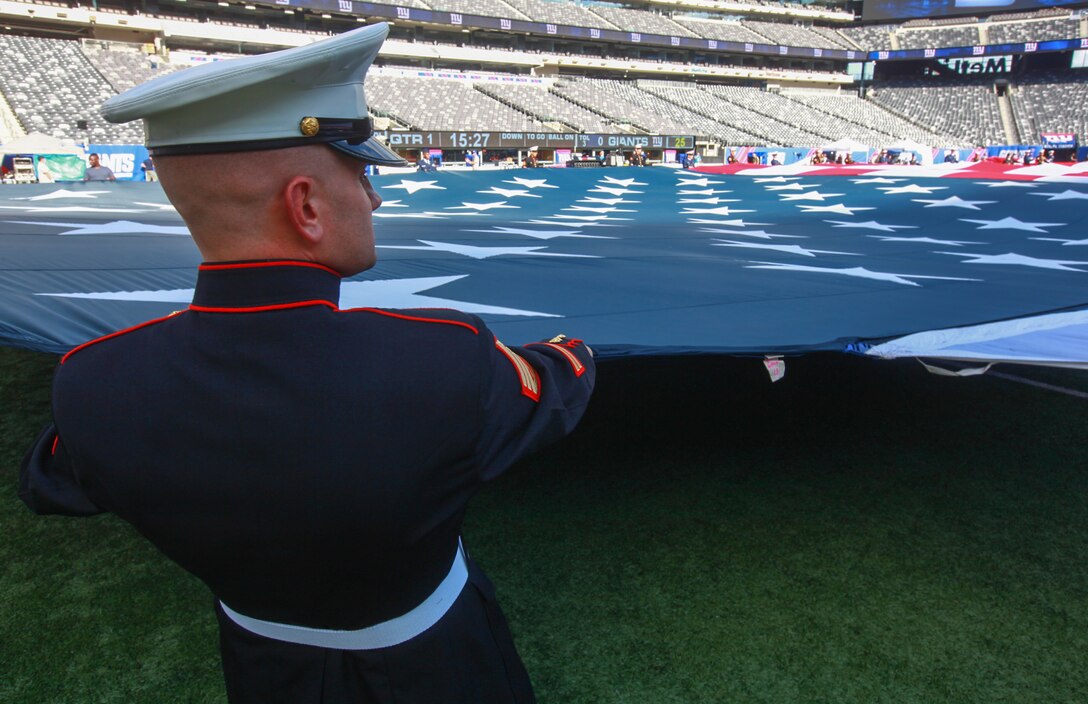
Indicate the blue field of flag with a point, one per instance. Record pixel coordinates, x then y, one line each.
634 261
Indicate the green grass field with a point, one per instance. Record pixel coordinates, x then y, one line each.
861 531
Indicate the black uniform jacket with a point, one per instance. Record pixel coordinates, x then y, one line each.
312 466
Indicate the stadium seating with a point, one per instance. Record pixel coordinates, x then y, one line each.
640 21
52 88
875 38
1035 31
965 35
624 103
790 35
726 117
562 13
867 121
487 8
547 106
966 110
124 65
1050 102
54 84
443 104
723 31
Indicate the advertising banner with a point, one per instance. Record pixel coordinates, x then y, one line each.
124 160
1059 140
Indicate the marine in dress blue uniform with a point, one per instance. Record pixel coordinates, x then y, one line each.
312 465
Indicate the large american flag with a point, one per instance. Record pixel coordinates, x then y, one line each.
653 260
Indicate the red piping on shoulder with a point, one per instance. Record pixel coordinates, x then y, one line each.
53 450
258 265
116 334
413 318
259 309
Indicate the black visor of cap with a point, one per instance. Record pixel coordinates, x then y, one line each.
352 137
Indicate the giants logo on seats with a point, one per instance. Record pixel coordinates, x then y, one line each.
968 66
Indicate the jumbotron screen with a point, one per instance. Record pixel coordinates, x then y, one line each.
876 10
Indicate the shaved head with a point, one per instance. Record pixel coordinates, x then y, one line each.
277 204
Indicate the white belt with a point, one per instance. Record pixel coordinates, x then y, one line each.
381 635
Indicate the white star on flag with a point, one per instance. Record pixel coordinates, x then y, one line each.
1017 260
877 179
758 234
870 225
737 222
793 187
625 182
837 208
697 182
1013 224
480 207
162 207
1005 184
413 186
1064 242
391 293
912 188
776 179
62 193
393 204
424 216
531 182
605 209
856 271
809 195
954 202
712 201
923 240
174 295
404 293
720 210
604 201
476 252
613 191
704 192
447 214
572 224
541 234
785 248
589 218
117 227
510 192
1064 195
70 209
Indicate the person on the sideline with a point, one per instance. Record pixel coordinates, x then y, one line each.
96 172
311 464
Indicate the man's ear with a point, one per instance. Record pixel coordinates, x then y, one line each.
300 201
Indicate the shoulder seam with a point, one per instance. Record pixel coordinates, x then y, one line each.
413 318
118 333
